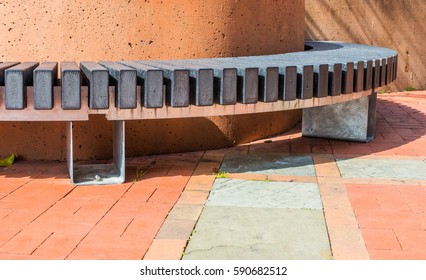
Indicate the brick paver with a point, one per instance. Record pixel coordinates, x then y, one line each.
151 216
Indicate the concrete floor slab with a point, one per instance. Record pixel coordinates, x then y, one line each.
269 164
259 233
382 168
260 194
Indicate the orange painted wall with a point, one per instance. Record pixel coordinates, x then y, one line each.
82 30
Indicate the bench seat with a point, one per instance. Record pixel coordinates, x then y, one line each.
333 82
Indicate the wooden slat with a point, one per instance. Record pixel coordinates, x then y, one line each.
45 77
71 86
335 79
17 78
3 67
305 82
97 78
124 80
348 78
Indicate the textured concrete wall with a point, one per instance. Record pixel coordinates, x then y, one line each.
117 29
134 29
399 25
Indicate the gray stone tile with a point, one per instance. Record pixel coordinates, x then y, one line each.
260 194
256 233
382 168
269 164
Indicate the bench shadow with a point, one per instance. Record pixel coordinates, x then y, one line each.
399 127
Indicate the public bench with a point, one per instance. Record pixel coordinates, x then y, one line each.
332 82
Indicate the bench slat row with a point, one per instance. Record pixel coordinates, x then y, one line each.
199 82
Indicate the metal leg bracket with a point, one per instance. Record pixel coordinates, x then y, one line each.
99 174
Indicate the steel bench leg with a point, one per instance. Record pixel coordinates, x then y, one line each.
99 174
353 120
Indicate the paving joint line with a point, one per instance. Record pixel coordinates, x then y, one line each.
131 221
38 216
42 243
112 206
26 183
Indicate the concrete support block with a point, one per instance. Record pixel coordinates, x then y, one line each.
353 120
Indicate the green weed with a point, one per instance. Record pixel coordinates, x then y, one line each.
222 175
410 89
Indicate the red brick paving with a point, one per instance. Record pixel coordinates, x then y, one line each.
151 216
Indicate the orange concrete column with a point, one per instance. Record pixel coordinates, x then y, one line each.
97 30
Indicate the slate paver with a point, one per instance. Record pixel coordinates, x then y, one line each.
383 168
261 194
259 233
269 164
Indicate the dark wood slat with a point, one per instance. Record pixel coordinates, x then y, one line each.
17 78
305 82
226 81
368 75
335 79
3 67
71 86
376 75
268 84
348 75
248 85
124 79
203 80
176 80
395 67
383 71
288 83
389 70
359 77
151 81
321 80
200 81
97 78
45 77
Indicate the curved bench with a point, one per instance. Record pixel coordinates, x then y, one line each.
330 80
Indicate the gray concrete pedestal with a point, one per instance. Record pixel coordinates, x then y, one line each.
353 120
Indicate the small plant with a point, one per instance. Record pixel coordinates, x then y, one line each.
139 173
267 180
382 91
222 175
410 89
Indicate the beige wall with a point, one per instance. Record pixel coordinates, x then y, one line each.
81 30
396 24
